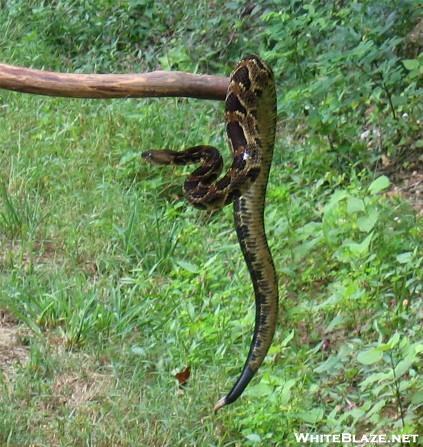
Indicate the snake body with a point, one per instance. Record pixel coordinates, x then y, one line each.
250 116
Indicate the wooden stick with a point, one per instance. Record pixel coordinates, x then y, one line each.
145 85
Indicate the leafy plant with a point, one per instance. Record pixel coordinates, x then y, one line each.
344 78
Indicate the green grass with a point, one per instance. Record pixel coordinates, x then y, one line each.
122 285
113 283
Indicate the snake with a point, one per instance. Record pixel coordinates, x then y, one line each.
250 120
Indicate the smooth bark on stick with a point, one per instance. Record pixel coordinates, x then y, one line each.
143 85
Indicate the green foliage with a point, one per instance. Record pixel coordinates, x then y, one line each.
120 284
343 76
105 35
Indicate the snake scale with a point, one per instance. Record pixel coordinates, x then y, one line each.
250 117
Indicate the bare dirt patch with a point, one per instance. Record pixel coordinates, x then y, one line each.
25 254
75 391
410 185
12 351
407 179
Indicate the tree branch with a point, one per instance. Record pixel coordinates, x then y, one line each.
144 85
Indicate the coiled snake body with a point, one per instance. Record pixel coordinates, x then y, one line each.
250 115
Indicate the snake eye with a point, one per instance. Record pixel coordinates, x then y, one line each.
258 92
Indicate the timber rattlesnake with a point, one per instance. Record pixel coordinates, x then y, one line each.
250 116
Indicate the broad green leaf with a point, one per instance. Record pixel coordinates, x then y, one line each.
337 321
188 266
375 378
285 393
335 198
376 408
405 385
370 356
418 347
253 437
410 64
301 250
285 396
260 390
404 366
393 341
354 205
329 365
356 414
129 156
312 416
381 388
417 398
405 257
367 223
398 100
309 229
361 248
379 184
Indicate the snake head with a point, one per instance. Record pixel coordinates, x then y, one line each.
158 157
147 155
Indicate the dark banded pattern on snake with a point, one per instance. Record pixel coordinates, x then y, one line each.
250 116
